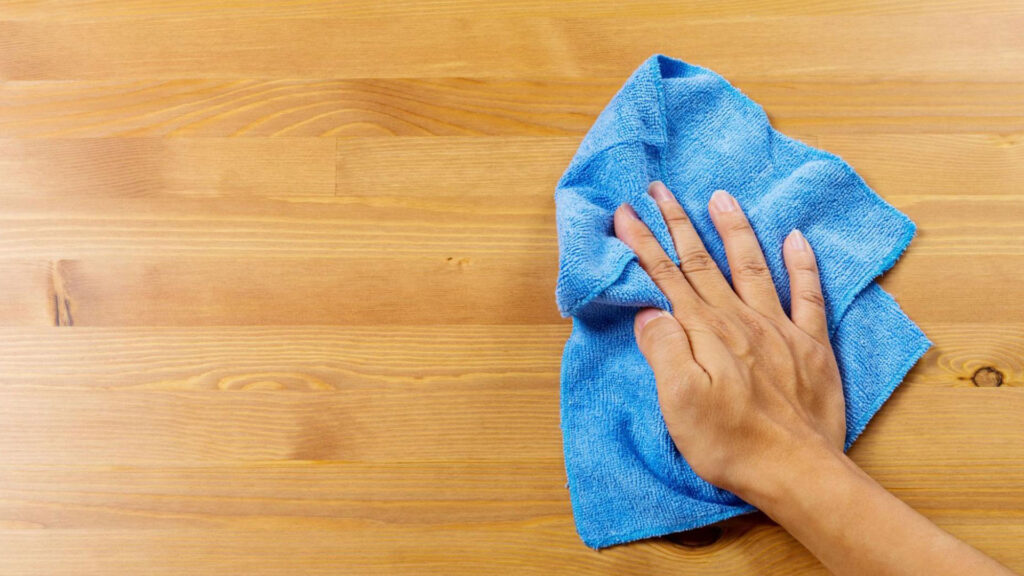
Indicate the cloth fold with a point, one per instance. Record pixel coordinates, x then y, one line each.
688 127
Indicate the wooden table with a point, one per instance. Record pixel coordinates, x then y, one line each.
276 276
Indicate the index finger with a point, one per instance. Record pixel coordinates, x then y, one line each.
653 259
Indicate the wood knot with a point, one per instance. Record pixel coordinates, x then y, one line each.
698 537
987 377
460 262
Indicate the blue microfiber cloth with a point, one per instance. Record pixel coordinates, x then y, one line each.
688 127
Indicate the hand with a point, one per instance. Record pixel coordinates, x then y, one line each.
742 387
754 401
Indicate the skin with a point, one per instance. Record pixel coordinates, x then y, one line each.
753 398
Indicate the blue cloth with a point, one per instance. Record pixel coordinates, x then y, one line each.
687 126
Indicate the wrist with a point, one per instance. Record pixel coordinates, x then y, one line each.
801 470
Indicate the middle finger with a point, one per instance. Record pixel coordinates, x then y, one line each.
751 277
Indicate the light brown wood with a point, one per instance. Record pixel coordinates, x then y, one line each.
544 106
277 278
96 10
817 47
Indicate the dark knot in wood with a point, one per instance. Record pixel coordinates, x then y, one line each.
987 377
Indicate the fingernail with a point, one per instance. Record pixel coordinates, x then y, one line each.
630 212
659 191
722 201
797 240
648 314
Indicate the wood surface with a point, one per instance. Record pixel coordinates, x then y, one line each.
277 276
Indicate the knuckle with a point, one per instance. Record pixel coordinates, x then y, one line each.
716 324
816 353
681 385
738 225
663 269
806 266
812 297
780 319
700 329
753 323
793 336
675 218
819 354
752 267
646 243
697 261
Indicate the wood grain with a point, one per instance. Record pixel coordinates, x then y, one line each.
53 171
93 10
249 443
277 277
233 358
133 168
471 107
747 48
319 291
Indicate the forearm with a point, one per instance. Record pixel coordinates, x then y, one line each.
854 526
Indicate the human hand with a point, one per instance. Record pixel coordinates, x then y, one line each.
742 387
754 401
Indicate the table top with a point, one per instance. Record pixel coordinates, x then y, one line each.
277 277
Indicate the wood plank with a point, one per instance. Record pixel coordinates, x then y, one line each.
226 435
897 166
418 421
473 107
956 281
366 357
342 227
492 289
424 288
28 289
105 489
140 167
56 10
252 412
962 349
428 204
302 495
933 164
282 107
380 290
305 260
345 495
354 537
764 550
294 359
543 547
525 168
747 48
934 434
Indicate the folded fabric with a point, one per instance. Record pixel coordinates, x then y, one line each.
688 127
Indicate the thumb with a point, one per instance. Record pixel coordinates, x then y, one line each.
663 342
